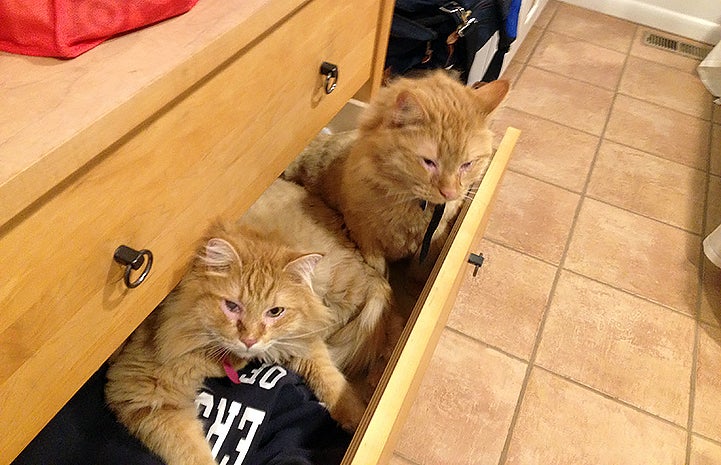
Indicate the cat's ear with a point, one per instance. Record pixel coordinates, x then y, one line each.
407 110
491 94
219 254
302 268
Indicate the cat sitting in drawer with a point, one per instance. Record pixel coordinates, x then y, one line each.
421 144
245 297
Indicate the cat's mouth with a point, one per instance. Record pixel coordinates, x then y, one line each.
230 371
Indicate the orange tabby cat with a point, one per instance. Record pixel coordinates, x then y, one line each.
360 299
244 297
422 142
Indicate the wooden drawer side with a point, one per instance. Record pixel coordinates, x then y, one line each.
376 438
211 153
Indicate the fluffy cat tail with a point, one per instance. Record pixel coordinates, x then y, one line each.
362 340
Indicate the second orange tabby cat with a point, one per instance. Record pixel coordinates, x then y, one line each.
422 142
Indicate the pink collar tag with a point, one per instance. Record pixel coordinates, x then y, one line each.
230 371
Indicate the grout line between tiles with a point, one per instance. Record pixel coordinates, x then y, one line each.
606 202
571 78
486 344
514 170
670 68
627 292
543 118
622 144
706 438
581 39
404 457
610 397
596 280
643 215
556 278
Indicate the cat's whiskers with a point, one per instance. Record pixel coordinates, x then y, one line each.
219 353
309 333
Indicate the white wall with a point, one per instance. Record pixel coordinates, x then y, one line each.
696 19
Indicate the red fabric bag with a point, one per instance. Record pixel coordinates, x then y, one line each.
67 28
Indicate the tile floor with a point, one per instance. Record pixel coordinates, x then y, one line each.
592 334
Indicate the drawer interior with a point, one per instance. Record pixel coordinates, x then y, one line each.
376 436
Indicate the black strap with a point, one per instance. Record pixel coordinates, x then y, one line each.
432 226
494 67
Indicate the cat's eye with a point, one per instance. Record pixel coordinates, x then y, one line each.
231 306
275 312
429 163
466 166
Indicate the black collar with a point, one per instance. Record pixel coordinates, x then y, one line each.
432 226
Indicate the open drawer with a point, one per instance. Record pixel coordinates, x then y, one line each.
374 441
376 437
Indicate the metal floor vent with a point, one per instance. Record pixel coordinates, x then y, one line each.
673 45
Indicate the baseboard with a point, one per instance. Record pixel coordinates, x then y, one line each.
664 19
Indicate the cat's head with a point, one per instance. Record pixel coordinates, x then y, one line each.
428 137
254 298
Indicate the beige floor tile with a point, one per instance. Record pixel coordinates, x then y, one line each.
532 216
659 131
593 27
678 90
563 160
564 100
716 150
548 11
503 304
621 345
579 59
664 57
561 423
464 406
649 185
710 310
704 452
637 254
706 418
529 42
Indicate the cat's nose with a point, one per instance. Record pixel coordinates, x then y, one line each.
248 341
448 193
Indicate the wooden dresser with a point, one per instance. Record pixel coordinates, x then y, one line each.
141 142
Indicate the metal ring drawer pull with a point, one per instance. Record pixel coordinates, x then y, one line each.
132 260
330 71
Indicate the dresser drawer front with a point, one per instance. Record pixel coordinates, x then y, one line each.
211 152
375 439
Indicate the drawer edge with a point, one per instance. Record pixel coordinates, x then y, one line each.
377 436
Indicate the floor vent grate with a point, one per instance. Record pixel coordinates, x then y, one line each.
676 46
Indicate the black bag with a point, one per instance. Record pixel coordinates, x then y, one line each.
427 34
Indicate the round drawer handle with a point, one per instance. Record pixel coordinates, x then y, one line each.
330 71
132 260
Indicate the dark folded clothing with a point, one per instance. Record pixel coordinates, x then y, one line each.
270 418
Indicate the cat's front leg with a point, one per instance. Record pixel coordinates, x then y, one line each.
330 386
156 403
174 434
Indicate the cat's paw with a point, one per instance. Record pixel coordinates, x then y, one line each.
349 411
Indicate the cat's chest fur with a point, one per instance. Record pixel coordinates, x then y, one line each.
394 228
400 229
